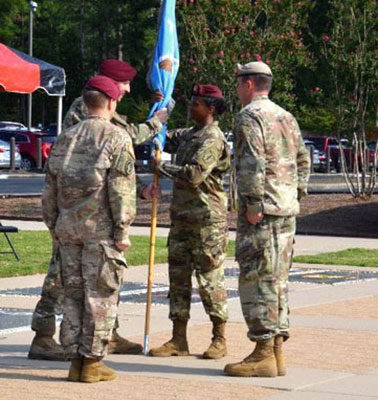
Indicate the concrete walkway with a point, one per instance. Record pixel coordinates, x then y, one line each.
332 354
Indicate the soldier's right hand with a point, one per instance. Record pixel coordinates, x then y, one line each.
162 115
157 96
123 245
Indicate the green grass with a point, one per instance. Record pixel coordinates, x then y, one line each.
34 250
355 257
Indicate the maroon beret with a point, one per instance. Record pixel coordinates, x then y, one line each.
118 70
104 85
207 91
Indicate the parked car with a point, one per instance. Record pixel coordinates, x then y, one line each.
11 125
51 129
143 155
5 155
27 143
310 146
322 143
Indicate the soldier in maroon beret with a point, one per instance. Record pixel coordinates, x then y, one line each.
120 74
89 202
198 236
120 71
104 85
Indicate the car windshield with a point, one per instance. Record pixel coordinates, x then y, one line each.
318 143
48 139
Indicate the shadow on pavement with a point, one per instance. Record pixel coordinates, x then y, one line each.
165 369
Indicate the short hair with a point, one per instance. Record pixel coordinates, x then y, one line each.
219 104
94 98
262 82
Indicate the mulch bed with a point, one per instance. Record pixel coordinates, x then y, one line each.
321 214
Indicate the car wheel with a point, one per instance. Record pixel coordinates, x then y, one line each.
27 163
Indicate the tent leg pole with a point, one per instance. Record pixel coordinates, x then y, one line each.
60 115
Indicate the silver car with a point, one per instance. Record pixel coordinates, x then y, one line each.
310 146
5 155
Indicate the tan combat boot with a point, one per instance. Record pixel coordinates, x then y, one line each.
260 363
95 371
75 369
218 347
278 353
120 345
44 347
177 346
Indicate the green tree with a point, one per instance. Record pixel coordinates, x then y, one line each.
347 49
217 34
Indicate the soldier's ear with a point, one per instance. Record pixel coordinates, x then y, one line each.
250 84
111 104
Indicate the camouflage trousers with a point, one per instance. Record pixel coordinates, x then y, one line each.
202 250
92 276
264 253
51 301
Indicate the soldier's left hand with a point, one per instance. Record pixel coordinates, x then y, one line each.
254 219
151 191
123 245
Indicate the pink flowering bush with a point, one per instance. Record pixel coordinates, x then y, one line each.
214 35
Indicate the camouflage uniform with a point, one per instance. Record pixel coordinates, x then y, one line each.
88 202
49 305
51 300
198 236
138 133
272 169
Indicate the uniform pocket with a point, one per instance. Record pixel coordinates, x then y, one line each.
212 247
110 277
253 250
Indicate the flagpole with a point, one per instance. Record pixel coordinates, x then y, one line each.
161 77
151 261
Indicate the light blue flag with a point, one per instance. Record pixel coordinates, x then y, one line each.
165 64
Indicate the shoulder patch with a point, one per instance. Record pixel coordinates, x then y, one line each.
124 162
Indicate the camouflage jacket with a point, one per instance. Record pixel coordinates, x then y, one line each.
138 133
272 162
202 160
90 190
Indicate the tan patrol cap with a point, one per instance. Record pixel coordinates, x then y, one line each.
253 68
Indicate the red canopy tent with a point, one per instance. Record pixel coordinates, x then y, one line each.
21 73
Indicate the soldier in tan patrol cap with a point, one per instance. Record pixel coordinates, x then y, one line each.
272 172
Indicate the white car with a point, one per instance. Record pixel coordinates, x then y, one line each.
11 125
5 155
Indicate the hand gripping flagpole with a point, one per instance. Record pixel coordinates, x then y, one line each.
161 77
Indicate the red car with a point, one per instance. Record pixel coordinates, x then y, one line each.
27 143
323 143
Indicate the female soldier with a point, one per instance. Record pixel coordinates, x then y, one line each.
198 236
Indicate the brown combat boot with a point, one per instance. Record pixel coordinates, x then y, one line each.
120 345
278 353
75 369
218 347
177 346
260 363
44 347
95 371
